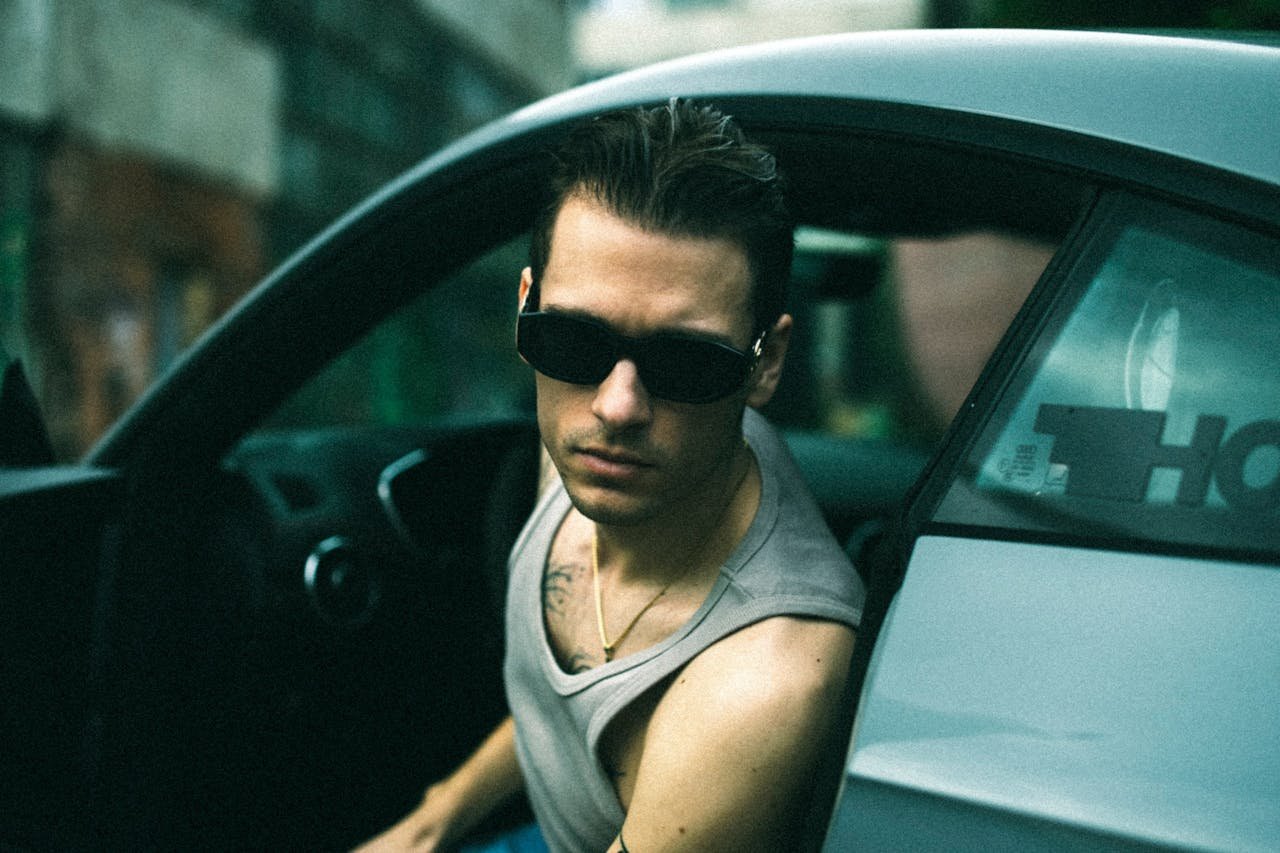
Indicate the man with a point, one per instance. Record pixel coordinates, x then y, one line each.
679 620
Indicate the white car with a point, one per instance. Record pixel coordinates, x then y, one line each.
264 611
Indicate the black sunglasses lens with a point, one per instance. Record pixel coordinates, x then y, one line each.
680 369
690 371
566 348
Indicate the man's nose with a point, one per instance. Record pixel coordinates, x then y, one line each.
621 399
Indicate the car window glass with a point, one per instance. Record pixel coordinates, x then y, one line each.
450 353
1149 405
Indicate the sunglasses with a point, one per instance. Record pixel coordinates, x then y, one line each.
675 367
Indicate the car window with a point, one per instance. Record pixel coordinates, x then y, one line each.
450 353
1148 406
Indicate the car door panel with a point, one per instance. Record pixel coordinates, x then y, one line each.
60 530
1113 694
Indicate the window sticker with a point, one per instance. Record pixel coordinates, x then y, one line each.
1112 453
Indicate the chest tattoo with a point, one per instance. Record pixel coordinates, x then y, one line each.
558 585
562 591
577 662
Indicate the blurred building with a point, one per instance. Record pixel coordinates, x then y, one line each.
158 157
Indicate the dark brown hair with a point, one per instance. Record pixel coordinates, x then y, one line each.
682 169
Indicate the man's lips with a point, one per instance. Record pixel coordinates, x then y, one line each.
607 462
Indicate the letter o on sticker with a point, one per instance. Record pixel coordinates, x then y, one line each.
1231 462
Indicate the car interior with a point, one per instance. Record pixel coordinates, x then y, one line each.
267 610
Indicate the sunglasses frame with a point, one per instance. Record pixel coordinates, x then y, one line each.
629 347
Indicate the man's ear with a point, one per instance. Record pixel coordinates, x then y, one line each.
764 381
526 282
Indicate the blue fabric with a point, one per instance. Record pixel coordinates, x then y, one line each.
525 839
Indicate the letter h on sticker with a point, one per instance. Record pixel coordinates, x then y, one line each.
1110 453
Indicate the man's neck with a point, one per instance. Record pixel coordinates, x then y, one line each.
704 527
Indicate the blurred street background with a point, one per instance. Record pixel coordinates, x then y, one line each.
159 157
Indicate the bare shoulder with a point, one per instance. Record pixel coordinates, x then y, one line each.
775 660
752 713
776 680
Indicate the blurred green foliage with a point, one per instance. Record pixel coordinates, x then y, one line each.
1177 14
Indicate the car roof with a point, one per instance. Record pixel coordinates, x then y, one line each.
1212 101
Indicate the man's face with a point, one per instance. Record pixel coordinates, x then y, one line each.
625 456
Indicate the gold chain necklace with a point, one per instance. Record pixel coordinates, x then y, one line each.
595 583
595 577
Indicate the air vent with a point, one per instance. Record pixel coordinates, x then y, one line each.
297 493
343 587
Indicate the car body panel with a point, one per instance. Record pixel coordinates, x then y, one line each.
1128 695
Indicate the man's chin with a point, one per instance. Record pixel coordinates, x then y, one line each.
608 507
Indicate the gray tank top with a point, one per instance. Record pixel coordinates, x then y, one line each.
788 563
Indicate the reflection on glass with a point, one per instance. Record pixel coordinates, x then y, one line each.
1152 358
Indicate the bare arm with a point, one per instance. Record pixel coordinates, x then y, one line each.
731 748
451 808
